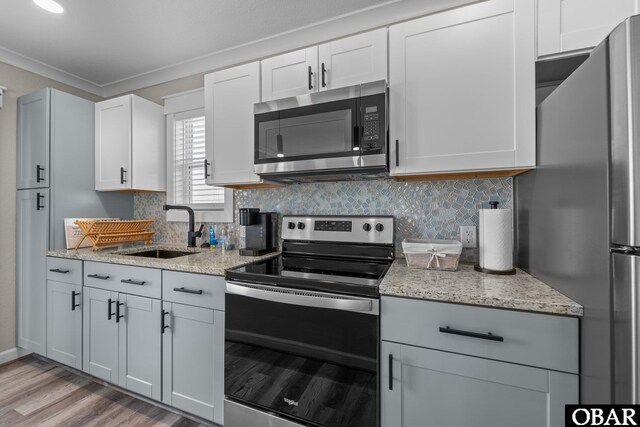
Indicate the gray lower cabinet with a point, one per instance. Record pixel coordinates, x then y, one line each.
451 365
64 323
121 340
431 388
31 280
193 344
100 334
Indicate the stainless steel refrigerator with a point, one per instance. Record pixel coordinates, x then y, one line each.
54 180
578 213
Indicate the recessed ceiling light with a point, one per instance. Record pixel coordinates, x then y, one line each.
50 5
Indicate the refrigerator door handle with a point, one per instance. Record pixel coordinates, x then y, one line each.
625 280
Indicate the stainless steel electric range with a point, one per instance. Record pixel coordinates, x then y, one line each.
302 329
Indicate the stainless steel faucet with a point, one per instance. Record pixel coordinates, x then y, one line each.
193 234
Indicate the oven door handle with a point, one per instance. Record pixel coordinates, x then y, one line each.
304 298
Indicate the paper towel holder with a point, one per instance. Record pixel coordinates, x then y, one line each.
494 205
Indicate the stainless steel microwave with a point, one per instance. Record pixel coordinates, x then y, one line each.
331 135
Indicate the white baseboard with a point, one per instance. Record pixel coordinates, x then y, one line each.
12 354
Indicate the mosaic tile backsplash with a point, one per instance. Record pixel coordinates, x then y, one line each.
423 210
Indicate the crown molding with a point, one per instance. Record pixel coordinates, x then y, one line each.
21 61
359 21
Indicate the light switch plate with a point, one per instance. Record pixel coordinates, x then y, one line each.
468 236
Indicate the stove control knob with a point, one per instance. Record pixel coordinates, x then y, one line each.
366 227
291 225
301 225
379 227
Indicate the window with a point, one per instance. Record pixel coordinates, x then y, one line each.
188 176
186 154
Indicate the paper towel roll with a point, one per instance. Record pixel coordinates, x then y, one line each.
496 239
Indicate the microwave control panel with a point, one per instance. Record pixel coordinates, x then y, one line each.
373 124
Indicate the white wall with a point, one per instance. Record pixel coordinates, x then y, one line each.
19 82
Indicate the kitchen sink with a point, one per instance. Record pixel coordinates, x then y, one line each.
161 254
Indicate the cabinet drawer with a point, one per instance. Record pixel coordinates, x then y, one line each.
127 279
193 289
539 340
64 270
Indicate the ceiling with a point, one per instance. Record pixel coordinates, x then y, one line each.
101 43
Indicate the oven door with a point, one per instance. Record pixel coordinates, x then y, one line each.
307 357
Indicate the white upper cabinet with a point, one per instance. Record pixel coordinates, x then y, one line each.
291 74
462 88
353 60
345 62
33 140
229 98
130 145
570 25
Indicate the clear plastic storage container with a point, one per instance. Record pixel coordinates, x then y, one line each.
432 254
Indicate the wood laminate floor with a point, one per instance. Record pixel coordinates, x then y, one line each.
34 392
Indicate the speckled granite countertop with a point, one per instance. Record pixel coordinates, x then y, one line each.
203 261
466 286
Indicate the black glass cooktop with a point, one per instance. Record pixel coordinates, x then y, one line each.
346 276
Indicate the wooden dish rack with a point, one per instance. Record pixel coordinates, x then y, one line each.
103 233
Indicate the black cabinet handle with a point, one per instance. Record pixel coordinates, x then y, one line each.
206 169
38 170
118 315
57 270
188 291
163 326
133 282
324 73
310 77
390 371
110 314
38 204
397 153
488 336
73 300
122 172
97 276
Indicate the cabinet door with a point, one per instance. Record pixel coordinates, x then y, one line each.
229 98
140 346
33 140
113 144
569 25
100 334
291 74
31 278
64 323
441 389
353 60
193 380
462 90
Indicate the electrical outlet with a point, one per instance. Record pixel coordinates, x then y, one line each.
468 236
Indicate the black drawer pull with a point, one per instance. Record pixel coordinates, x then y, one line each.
97 276
73 300
110 314
122 172
118 315
57 270
188 291
488 336
390 371
397 153
133 282
206 168
163 326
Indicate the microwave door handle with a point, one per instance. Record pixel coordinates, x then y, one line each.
301 298
356 138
